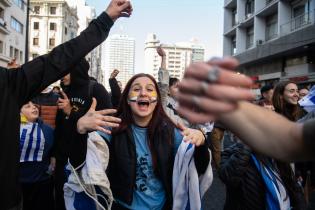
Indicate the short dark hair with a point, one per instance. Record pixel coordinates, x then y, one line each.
266 88
172 81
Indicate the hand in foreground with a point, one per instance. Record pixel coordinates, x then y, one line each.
119 8
210 89
192 136
64 103
114 73
97 120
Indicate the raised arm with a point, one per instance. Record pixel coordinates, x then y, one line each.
163 77
32 77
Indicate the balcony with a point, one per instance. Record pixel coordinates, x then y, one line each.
297 23
230 3
6 3
3 27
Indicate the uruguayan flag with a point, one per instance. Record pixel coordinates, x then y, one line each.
32 142
308 102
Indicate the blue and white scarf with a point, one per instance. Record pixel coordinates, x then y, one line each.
32 142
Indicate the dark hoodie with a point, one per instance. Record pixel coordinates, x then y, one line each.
80 93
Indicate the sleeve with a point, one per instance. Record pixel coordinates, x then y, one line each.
115 91
78 147
102 97
234 162
308 137
163 84
32 77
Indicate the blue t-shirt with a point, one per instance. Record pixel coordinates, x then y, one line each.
149 192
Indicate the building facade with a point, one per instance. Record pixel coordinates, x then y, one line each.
273 39
119 53
12 31
51 23
178 56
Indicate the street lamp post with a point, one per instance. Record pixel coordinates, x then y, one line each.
27 30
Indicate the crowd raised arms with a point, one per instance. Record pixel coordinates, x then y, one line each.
146 145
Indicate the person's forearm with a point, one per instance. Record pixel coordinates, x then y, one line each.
163 62
44 70
265 131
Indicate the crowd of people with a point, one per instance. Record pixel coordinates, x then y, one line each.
150 144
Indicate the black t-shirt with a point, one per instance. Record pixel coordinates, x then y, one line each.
309 136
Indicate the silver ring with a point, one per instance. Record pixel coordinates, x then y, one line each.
195 100
204 88
213 74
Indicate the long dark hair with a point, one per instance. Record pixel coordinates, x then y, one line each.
290 111
159 122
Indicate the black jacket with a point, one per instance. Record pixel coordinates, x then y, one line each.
115 92
18 86
80 93
122 163
245 189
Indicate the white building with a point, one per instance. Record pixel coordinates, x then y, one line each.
86 14
52 22
178 56
119 53
273 39
12 31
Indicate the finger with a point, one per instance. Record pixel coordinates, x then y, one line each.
112 125
181 126
205 104
227 62
220 92
125 6
106 111
93 105
201 70
99 128
111 119
195 117
65 97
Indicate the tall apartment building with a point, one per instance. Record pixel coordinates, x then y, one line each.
119 53
12 31
86 14
52 22
178 56
273 39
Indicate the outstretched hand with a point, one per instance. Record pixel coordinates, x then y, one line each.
114 73
97 120
64 103
192 136
119 8
210 89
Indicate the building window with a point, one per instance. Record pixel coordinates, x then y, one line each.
250 8
11 52
53 26
1 47
35 41
35 55
36 26
271 27
234 17
233 45
249 37
1 12
66 30
16 25
300 14
52 42
52 10
36 9
16 54
19 3
21 56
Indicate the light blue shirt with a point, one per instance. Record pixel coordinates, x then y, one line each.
149 191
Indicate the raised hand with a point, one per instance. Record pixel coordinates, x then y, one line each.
160 51
64 103
97 120
194 136
119 8
114 73
209 89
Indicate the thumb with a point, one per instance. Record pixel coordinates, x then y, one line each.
93 105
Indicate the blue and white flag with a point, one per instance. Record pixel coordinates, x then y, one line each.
32 143
308 102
